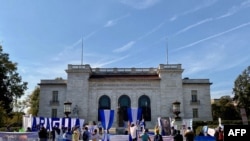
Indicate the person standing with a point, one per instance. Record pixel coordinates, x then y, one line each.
133 132
189 134
173 131
67 136
95 135
142 124
57 133
76 134
158 137
145 136
43 135
85 134
219 135
178 136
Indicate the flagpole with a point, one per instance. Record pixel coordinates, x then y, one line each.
82 52
167 50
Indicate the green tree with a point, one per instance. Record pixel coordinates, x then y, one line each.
2 116
225 109
11 85
241 90
32 102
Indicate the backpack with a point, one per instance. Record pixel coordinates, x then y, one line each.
85 135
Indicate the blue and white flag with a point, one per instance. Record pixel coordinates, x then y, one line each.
134 114
107 118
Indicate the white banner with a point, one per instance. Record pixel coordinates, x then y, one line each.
36 122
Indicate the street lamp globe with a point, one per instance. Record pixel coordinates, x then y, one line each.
67 108
176 109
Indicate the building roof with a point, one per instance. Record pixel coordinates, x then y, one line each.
125 77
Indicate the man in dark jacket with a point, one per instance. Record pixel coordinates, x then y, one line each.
178 136
43 135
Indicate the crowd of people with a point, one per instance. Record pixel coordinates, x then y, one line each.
87 132
95 133
188 134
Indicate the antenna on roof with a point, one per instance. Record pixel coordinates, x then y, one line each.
167 49
82 52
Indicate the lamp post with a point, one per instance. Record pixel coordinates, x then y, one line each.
176 109
67 108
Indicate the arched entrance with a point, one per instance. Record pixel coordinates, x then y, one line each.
104 103
123 104
145 105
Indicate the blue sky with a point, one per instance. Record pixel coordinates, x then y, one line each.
210 38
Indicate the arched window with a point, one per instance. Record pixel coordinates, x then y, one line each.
145 105
104 103
124 103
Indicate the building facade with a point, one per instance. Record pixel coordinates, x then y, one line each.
154 90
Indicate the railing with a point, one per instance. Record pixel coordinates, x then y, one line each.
125 70
170 66
78 66
54 102
195 102
55 81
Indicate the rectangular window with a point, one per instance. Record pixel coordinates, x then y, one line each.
195 113
194 96
54 113
55 96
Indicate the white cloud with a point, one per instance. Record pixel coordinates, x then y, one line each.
194 9
153 30
114 21
140 4
213 36
199 7
194 25
235 9
232 64
90 34
173 18
110 61
109 23
68 51
208 61
125 47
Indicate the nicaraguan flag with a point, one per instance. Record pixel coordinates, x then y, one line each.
134 114
107 118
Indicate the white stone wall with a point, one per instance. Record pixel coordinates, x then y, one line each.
78 93
115 89
45 109
203 95
171 91
85 91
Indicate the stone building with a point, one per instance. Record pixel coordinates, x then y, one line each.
152 89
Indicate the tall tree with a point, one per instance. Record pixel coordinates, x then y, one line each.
225 109
32 102
11 85
241 90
